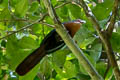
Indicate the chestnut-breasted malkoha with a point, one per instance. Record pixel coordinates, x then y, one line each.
50 43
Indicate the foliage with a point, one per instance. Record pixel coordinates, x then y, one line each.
62 64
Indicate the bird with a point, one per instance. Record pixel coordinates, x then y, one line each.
51 43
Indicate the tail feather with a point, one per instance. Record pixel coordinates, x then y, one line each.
31 60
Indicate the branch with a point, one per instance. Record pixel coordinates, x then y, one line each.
113 18
71 44
30 25
25 27
7 20
104 38
62 5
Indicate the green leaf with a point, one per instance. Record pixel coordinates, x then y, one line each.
45 67
72 9
21 8
103 23
3 3
87 42
5 14
84 37
83 77
38 29
62 12
95 52
70 56
59 57
101 68
27 43
58 70
34 6
54 2
69 69
2 27
59 77
109 74
102 10
115 41
12 50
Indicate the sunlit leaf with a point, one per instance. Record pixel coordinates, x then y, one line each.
59 57
102 10
115 41
95 52
69 69
21 7
45 67
34 6
84 37
101 68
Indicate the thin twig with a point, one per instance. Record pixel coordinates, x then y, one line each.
59 6
7 20
25 27
113 18
49 25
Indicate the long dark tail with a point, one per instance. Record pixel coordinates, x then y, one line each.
51 43
31 60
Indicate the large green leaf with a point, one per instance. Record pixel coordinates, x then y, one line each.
72 10
58 70
5 14
101 68
21 7
115 41
34 6
40 30
102 10
84 37
3 3
109 74
45 67
2 28
95 52
69 69
59 57
62 12
12 50
28 42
